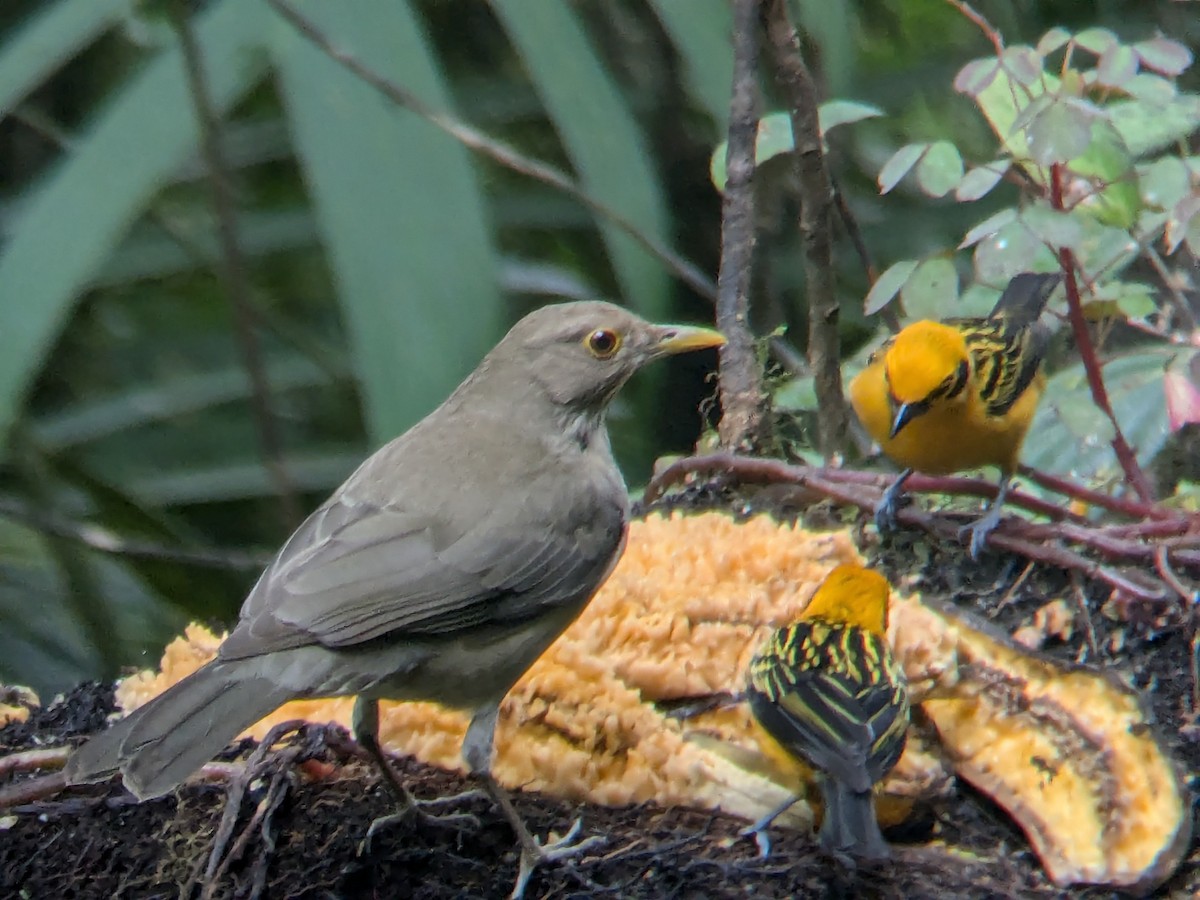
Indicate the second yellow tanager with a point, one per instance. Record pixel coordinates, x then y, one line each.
826 692
941 397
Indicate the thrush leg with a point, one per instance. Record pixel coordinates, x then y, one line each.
885 512
986 524
365 724
477 752
759 828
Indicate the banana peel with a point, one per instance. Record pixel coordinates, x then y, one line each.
1069 752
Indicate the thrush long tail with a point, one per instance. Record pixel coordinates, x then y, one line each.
160 744
849 824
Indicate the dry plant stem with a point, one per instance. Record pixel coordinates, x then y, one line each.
1134 476
33 760
1089 630
232 269
1179 301
218 859
1027 539
890 314
772 471
816 227
1122 505
983 24
1162 562
31 790
742 398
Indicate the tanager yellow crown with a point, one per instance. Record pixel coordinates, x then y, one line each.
923 356
851 595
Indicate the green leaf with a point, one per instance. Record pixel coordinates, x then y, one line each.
988 227
1023 65
1009 251
899 165
887 285
774 136
95 420
1059 133
1071 436
1164 55
1052 40
47 40
1117 66
600 135
1052 226
700 31
242 479
979 181
1096 40
978 76
931 292
51 650
89 203
940 169
1109 161
400 208
1164 182
1151 89
1146 127
1136 302
844 112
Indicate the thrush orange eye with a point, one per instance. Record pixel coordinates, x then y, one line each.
603 343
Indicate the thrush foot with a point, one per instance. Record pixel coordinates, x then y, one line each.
534 854
419 812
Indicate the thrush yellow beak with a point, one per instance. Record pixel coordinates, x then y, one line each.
682 338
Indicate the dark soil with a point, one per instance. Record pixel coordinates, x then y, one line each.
307 839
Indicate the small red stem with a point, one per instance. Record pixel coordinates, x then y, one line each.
1134 476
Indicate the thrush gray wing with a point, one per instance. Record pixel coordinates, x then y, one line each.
356 571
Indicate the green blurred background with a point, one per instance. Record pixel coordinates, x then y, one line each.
383 259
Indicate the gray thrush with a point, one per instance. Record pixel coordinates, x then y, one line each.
439 571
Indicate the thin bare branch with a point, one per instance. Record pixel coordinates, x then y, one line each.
1134 476
103 540
497 151
742 400
816 227
232 269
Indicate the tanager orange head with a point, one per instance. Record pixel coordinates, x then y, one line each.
852 596
925 361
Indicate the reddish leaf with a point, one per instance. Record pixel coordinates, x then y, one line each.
1183 399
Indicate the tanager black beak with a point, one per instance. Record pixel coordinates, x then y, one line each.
905 414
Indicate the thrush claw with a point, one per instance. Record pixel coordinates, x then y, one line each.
416 811
534 854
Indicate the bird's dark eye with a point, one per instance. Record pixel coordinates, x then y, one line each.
603 343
